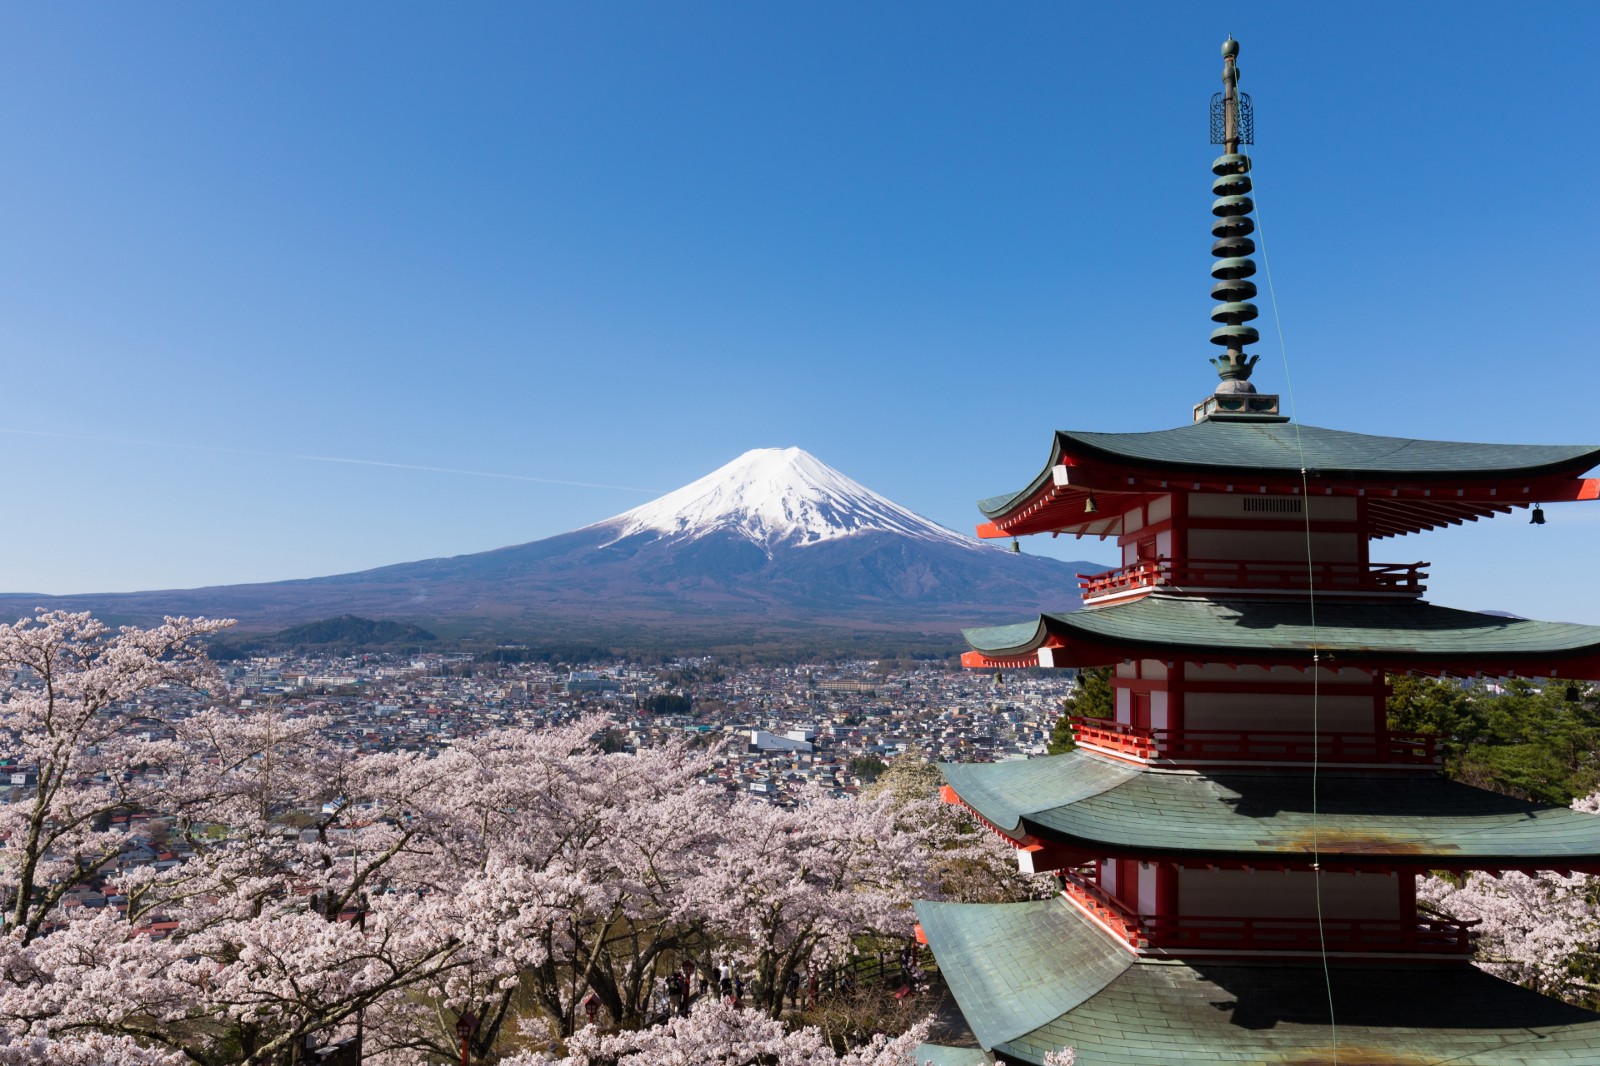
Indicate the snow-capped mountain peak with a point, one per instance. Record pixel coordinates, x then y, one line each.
777 496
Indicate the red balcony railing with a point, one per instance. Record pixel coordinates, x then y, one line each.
1241 745
1250 576
1112 912
1182 933
1104 733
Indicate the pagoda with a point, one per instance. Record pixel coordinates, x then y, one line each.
1238 847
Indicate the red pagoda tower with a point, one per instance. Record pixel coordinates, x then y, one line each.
1238 848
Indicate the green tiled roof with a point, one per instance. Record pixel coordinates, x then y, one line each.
1275 448
1009 965
1421 820
1155 1014
1011 639
1404 630
1032 784
1013 967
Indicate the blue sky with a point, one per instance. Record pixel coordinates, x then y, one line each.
619 244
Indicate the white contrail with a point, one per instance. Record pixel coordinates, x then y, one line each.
323 459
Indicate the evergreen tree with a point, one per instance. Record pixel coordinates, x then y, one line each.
868 767
1091 698
1532 739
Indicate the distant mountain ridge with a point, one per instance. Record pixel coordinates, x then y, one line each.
350 629
344 634
775 545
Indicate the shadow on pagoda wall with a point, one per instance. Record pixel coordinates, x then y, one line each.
1437 996
1362 796
1271 615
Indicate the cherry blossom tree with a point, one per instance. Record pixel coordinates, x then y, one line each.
790 888
1540 930
92 1049
69 720
969 863
571 870
246 969
718 1034
250 961
326 894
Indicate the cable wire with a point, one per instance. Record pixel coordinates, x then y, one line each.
1311 603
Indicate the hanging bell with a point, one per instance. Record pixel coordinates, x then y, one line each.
1089 506
1538 516
1573 695
1016 547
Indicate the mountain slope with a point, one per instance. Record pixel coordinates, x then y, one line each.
773 542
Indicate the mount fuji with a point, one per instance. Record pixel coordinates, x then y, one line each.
776 545
776 498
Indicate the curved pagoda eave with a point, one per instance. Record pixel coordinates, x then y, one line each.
1054 961
1032 978
1399 635
1091 805
1425 483
1253 1014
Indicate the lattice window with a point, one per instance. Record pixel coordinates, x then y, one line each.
1273 504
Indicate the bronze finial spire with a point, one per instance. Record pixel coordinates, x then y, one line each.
1232 125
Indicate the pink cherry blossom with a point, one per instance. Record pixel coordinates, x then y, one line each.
1535 929
324 892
